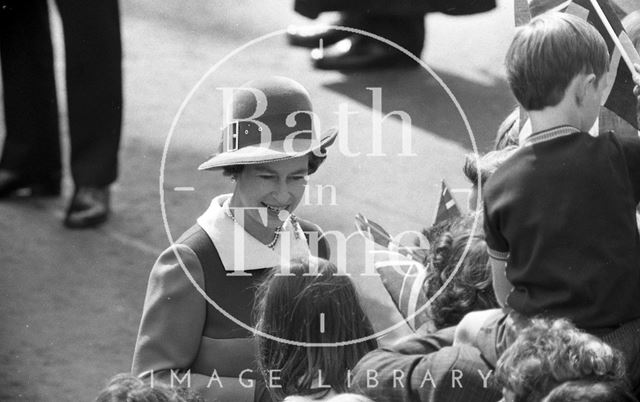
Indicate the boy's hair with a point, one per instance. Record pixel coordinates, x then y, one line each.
290 307
589 391
547 53
471 289
125 387
551 352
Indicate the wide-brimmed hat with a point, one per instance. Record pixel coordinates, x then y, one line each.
268 120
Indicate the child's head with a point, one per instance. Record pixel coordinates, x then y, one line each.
471 289
481 168
127 388
509 131
548 54
349 397
310 306
551 352
589 391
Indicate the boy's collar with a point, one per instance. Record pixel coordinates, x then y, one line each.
526 131
549 134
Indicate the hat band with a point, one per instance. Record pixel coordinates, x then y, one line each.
267 129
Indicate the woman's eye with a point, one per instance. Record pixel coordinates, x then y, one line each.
266 176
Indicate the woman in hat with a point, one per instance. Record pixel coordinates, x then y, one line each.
192 334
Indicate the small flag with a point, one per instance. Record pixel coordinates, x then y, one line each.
377 234
623 55
447 207
401 269
373 231
404 279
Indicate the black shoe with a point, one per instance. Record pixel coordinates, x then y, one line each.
89 207
12 183
309 35
359 53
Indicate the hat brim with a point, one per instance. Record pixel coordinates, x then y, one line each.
277 150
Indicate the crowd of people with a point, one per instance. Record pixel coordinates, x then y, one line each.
540 305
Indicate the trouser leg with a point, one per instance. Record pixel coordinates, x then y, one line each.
406 31
94 88
32 141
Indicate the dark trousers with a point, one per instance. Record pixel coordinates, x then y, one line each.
93 55
406 31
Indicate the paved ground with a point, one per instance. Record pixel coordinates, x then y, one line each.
70 301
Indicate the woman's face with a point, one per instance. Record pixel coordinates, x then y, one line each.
276 188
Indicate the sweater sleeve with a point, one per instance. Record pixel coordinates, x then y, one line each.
173 316
422 368
631 149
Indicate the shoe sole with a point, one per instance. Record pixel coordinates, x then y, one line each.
382 65
88 223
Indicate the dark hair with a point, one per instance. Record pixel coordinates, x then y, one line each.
471 289
289 307
547 53
485 165
509 131
125 387
551 352
589 391
314 163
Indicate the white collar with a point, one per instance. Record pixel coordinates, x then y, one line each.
223 231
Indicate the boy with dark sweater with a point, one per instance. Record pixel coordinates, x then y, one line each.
560 212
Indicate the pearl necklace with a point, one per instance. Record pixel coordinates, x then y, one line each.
276 235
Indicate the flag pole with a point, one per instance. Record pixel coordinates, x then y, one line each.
614 37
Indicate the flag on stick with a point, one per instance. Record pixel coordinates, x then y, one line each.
447 207
405 282
377 234
623 55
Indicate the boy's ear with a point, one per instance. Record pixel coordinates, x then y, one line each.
581 85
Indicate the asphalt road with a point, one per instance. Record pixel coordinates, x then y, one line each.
70 301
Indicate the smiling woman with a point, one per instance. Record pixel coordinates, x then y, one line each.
234 245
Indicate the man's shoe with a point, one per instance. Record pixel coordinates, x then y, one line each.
359 53
309 36
13 183
89 207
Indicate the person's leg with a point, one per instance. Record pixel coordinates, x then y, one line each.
31 150
406 31
94 97
94 88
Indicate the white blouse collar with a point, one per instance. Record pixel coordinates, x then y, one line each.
223 231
